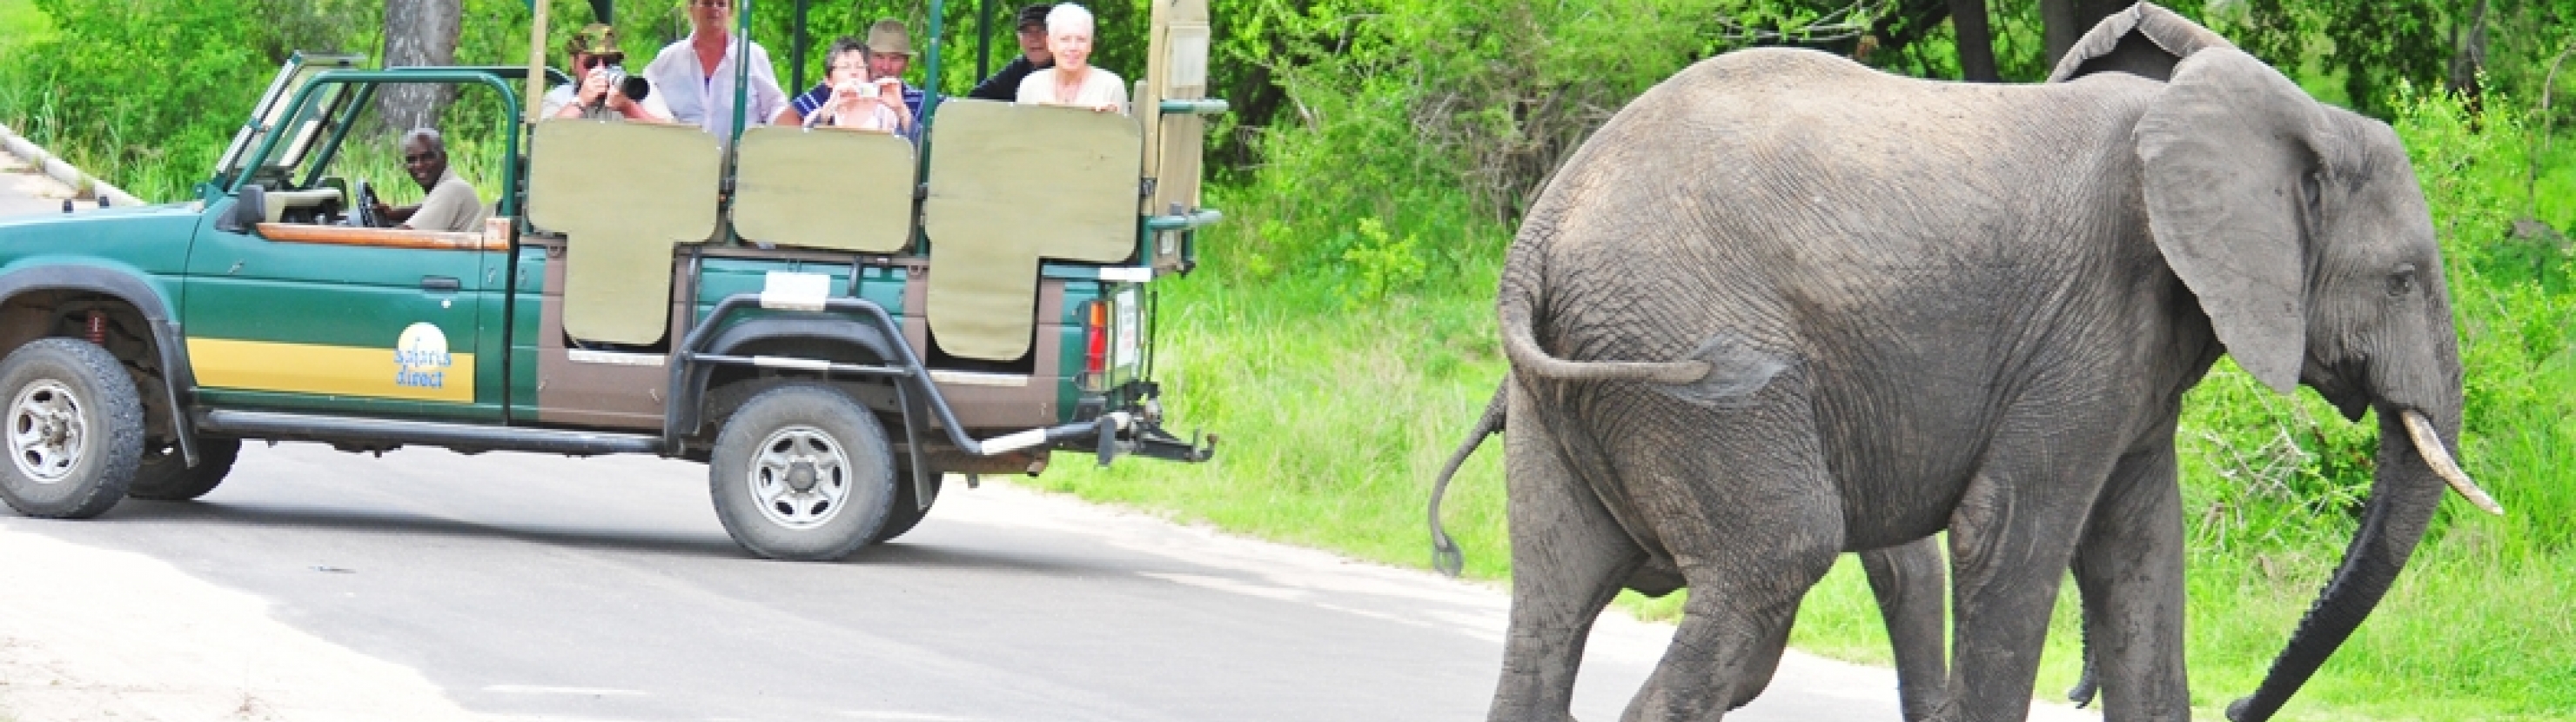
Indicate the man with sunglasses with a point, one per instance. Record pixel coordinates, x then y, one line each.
594 52
695 76
450 204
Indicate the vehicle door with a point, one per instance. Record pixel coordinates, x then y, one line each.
299 310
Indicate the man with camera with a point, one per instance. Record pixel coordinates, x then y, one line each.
604 90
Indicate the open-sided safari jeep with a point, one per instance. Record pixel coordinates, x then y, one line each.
831 319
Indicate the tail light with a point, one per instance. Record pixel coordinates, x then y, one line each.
1095 347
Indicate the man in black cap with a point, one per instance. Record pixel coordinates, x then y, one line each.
1005 85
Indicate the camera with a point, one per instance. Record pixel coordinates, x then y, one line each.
632 86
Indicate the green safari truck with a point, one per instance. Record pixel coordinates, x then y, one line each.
829 341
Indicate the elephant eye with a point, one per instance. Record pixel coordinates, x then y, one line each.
2402 281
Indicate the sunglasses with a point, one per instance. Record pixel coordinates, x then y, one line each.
600 60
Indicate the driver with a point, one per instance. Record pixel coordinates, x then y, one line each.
450 204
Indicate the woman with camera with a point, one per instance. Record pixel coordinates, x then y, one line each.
847 98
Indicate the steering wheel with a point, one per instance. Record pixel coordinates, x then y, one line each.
363 208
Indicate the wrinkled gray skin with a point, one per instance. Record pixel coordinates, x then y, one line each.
1783 306
1906 579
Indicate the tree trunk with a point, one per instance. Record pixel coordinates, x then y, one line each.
418 32
2469 54
1976 41
2066 20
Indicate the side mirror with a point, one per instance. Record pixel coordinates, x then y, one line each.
250 208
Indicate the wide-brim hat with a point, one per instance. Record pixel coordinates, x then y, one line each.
889 36
595 39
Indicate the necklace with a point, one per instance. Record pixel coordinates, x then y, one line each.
1068 87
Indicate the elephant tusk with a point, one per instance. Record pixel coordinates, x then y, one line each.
2428 443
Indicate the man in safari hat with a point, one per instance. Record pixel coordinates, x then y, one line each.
595 62
889 54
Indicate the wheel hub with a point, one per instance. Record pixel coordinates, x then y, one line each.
800 478
46 433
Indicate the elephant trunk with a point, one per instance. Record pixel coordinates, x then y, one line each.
2405 490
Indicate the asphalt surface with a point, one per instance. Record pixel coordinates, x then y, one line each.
548 587
535 587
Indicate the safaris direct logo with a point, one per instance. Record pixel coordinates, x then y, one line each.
420 357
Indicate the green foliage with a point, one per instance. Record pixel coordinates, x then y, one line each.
2373 44
1380 262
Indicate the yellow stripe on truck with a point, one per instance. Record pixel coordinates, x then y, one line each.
331 370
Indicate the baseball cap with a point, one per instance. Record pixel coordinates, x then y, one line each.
1034 16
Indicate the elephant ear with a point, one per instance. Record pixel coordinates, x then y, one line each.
2145 40
2232 155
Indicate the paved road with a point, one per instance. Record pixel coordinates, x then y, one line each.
430 585
547 587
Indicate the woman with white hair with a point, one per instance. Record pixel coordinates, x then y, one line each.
1073 81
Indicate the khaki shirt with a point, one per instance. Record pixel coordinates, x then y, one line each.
450 206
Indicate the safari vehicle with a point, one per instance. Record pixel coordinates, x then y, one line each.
831 342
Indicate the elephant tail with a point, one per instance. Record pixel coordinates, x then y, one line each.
1725 366
1444 551
1517 304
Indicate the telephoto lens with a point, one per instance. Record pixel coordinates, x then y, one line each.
632 86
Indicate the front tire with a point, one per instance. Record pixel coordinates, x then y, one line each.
73 429
166 476
802 472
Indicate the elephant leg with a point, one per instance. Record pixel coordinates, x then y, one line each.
2012 535
2129 566
1568 559
1909 581
1742 498
1765 665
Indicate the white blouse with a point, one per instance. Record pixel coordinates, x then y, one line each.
1099 87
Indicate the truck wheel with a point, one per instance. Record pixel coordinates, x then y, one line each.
802 472
165 476
906 512
74 426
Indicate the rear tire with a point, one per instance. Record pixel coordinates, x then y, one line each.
73 427
905 513
166 476
802 472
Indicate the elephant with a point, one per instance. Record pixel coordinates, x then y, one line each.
1783 306
1906 580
